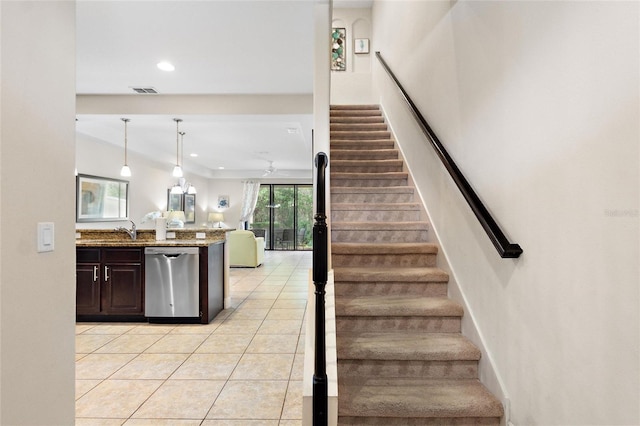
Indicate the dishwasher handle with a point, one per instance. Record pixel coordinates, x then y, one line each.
171 251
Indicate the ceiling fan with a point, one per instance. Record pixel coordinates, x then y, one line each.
269 170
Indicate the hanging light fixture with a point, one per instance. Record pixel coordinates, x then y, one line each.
125 170
187 188
177 170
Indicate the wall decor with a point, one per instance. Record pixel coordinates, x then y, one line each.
100 199
174 201
190 208
223 201
361 45
338 49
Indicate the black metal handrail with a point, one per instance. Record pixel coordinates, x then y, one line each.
320 269
505 248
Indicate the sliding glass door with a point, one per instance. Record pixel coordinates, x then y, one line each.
284 216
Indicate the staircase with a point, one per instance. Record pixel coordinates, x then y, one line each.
401 357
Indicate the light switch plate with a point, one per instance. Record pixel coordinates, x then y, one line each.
201 235
171 235
46 237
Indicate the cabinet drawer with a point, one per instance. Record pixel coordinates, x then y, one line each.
121 255
87 255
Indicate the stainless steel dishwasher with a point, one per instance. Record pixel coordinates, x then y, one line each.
171 284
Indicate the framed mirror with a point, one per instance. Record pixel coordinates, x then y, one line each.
190 208
174 201
100 199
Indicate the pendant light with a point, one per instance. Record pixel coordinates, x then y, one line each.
186 187
177 170
125 171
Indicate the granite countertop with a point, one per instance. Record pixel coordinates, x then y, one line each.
184 237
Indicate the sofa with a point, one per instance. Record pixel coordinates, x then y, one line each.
245 249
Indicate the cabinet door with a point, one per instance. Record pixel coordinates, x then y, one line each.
88 288
122 288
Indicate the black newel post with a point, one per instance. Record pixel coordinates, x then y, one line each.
320 266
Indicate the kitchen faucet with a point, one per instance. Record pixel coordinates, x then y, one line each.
132 232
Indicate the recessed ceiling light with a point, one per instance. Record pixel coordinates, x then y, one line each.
166 66
292 130
193 154
221 168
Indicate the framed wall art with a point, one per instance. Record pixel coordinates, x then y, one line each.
338 49
223 201
361 45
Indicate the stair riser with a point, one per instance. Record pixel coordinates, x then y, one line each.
367 183
379 236
427 289
398 368
422 421
351 135
375 216
372 198
335 119
362 146
357 155
383 324
366 167
382 260
359 127
354 113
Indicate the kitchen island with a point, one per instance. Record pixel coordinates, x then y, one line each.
110 279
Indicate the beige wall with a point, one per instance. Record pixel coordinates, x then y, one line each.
538 104
353 86
148 183
37 290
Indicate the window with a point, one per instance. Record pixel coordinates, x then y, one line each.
284 216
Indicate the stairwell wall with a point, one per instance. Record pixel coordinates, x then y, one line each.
538 104
353 86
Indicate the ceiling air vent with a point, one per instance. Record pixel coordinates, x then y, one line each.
145 90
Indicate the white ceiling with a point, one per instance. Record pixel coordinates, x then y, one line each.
218 48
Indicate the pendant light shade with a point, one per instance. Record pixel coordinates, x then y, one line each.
177 170
125 171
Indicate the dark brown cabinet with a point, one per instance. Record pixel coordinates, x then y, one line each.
109 282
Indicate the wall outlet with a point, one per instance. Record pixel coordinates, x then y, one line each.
201 235
171 235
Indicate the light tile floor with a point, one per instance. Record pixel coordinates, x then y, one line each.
244 368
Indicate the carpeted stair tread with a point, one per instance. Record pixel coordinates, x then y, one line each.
379 163
344 119
406 346
372 175
415 397
381 226
359 135
375 206
408 275
358 127
371 154
351 107
383 248
358 145
373 190
398 306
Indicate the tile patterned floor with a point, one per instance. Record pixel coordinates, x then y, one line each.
242 369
